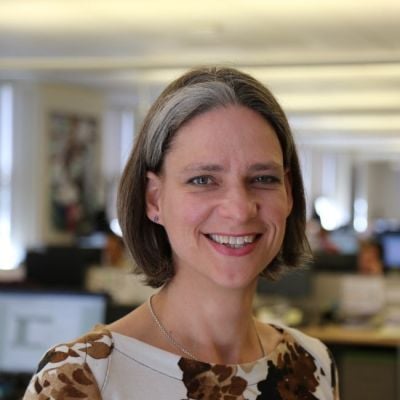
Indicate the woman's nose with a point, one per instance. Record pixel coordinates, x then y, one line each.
239 204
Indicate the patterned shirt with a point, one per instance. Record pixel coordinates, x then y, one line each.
107 365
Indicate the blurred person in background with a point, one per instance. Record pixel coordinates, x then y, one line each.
369 258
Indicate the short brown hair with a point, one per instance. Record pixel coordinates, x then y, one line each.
196 92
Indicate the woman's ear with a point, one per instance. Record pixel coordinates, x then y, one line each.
153 191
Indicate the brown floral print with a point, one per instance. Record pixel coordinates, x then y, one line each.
292 373
74 379
212 382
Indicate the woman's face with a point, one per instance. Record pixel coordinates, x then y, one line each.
223 197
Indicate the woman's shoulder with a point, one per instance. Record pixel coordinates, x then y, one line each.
75 369
307 358
311 344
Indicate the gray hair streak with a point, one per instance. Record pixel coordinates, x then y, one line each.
180 107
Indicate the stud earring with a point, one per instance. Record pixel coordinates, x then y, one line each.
155 219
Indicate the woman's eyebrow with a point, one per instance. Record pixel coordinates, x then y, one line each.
256 167
198 167
268 166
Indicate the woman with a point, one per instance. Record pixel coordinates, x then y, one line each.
210 200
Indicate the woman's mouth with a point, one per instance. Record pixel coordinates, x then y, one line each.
233 242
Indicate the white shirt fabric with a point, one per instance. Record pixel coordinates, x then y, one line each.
107 365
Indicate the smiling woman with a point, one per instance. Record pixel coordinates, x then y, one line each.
211 200
225 170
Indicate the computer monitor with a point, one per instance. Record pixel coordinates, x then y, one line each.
294 285
33 321
56 267
391 250
335 262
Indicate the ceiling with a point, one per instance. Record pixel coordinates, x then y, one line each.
334 65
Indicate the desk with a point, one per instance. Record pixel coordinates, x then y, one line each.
367 338
338 334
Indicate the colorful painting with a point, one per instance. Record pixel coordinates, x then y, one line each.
74 169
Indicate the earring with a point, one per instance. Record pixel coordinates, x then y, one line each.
155 219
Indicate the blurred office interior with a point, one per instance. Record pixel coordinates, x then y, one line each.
76 79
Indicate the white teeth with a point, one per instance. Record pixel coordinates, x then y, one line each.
233 241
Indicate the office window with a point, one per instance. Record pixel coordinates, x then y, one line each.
118 138
8 253
127 135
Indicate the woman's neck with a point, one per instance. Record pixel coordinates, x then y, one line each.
214 324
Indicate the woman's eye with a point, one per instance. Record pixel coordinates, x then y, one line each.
201 180
266 179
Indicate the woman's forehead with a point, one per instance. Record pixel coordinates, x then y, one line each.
220 133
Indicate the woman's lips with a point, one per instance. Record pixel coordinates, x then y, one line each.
233 245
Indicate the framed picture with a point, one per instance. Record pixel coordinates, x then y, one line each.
74 171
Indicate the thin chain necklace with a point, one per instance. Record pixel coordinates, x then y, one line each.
175 343
166 334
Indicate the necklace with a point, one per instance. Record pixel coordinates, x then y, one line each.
166 334
179 346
